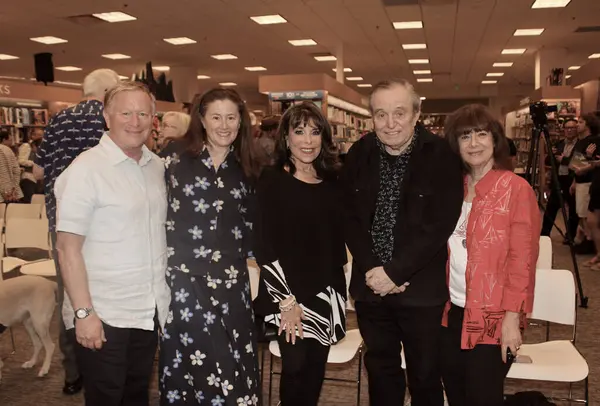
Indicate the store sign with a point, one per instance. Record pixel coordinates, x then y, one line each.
4 90
305 95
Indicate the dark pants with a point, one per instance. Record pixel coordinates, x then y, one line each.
471 377
29 188
385 328
553 207
303 369
119 373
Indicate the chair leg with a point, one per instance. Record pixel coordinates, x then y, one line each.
262 367
570 391
359 377
271 378
12 340
587 394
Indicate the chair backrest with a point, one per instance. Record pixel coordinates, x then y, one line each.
254 274
545 257
27 233
38 199
24 211
2 210
555 296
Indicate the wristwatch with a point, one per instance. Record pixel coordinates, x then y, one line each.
83 312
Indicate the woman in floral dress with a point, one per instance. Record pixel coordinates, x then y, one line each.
208 353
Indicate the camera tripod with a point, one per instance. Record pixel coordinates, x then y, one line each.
539 132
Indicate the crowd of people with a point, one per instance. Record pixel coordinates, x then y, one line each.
151 249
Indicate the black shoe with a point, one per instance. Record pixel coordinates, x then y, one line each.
71 388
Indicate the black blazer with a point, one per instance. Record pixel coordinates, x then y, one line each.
429 208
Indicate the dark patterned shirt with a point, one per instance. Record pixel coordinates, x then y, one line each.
391 173
69 133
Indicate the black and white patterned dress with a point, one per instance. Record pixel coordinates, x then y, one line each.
208 353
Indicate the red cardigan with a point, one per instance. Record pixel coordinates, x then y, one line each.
503 234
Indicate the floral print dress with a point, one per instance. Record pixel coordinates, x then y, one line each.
208 353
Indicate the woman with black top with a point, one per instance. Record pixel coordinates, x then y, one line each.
300 248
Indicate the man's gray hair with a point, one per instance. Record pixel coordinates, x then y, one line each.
388 84
98 82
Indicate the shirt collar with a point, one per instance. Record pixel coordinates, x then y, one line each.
116 154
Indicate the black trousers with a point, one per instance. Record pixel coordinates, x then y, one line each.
385 328
302 371
119 373
29 188
471 377
553 207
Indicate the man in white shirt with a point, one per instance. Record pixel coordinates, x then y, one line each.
112 251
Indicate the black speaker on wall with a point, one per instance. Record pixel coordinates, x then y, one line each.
44 68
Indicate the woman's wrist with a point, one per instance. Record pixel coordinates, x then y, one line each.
512 315
287 304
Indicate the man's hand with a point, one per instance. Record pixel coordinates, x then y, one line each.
399 289
89 332
589 151
379 282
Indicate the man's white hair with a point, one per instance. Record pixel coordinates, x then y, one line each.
98 82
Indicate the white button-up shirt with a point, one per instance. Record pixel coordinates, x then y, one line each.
120 206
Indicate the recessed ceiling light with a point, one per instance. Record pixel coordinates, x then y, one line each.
179 40
488 82
255 68
503 64
423 98
418 61
574 67
528 32
354 78
513 51
325 58
115 17
224 57
567 77
161 68
228 84
345 70
302 42
594 56
68 68
408 25
49 40
5 57
116 56
414 46
425 80
422 72
202 77
60 82
270 19
495 74
364 85
123 77
550 3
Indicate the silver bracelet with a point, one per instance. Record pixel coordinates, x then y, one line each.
289 306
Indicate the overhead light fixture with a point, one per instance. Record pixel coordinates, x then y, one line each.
68 68
550 3
255 68
354 78
6 57
116 56
528 32
425 80
60 82
488 82
115 17
574 67
345 70
302 42
223 57
364 85
161 68
567 77
227 84
202 77
270 19
179 40
414 46
123 77
503 64
49 40
513 51
408 25
423 98
325 58
418 61
495 74
422 72
594 56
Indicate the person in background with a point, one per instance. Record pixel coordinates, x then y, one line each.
27 155
68 134
563 151
267 139
173 126
593 218
300 248
491 268
112 204
512 148
403 194
208 350
10 172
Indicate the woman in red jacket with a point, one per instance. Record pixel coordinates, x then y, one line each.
491 266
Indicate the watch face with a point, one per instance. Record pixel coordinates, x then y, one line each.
81 313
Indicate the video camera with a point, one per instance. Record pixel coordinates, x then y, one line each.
539 112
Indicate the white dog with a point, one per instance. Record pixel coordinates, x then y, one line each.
30 300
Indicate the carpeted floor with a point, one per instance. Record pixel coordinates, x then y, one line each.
21 387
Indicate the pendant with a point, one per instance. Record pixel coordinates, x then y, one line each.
464 243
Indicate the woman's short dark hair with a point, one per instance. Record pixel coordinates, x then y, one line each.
327 163
591 121
196 137
478 117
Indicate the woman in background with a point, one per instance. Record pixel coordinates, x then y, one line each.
174 125
27 152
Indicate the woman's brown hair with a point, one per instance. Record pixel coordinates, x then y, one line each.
478 117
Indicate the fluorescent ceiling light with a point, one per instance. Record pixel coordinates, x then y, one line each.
49 40
345 70
422 72
302 42
257 111
594 56
418 61
425 80
179 40
325 58
550 3
202 77
503 64
123 77
115 17
161 68
423 98
228 84
354 78
408 25
5 57
567 77
488 82
68 68
414 46
270 19
223 57
255 68
574 67
364 85
528 32
513 51
60 82
116 56
495 74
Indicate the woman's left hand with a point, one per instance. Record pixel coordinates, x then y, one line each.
511 334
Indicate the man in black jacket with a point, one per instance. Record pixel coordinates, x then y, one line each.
404 193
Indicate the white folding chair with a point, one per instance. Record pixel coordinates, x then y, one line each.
28 233
12 336
545 256
38 199
254 275
557 360
2 210
23 211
